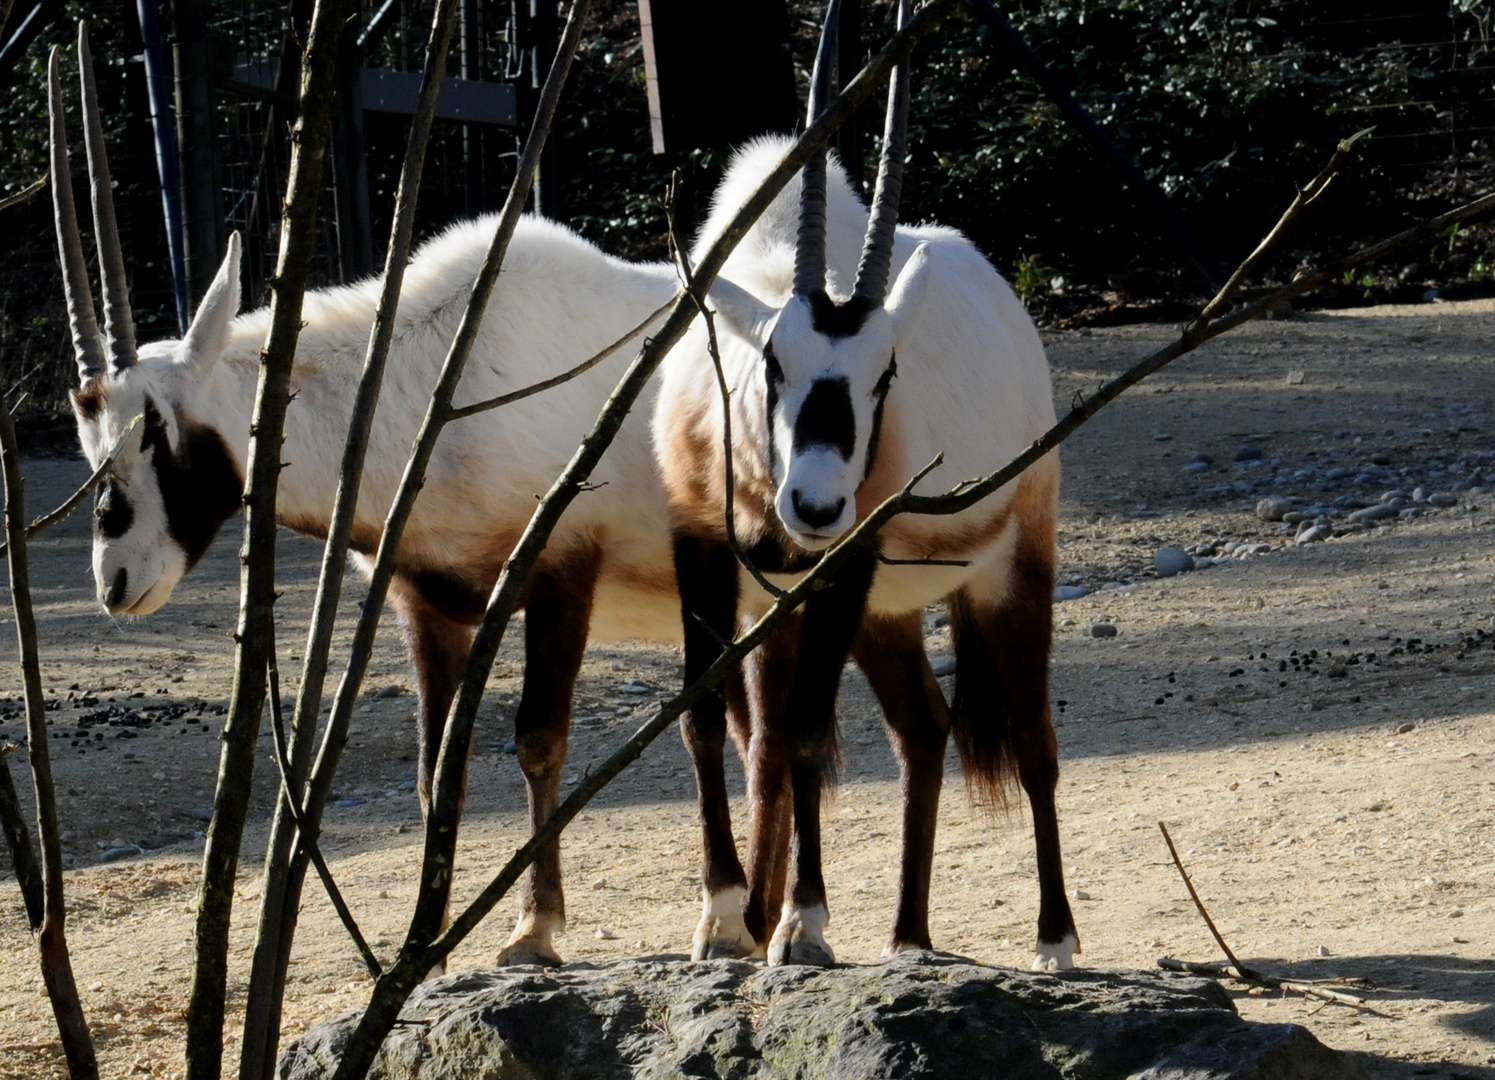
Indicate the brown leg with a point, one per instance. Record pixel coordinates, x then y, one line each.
1002 721
438 650
768 676
706 573
557 612
890 652
830 623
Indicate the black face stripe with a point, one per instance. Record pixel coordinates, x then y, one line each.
839 320
200 485
773 376
826 418
884 384
112 513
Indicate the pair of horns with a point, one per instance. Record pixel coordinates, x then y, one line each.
118 341
877 248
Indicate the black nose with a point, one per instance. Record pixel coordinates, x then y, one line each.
816 515
117 589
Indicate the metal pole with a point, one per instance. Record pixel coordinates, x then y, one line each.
202 212
158 83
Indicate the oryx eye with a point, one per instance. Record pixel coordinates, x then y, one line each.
771 365
887 378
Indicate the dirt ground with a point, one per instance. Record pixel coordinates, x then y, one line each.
1314 724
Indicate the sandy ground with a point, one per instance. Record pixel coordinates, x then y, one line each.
1335 814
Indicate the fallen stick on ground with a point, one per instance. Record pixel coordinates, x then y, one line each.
1235 969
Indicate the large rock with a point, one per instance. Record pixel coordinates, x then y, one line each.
919 1015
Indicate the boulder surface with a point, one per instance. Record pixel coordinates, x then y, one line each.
917 1015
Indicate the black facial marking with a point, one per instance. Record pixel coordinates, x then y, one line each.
200 485
884 384
839 320
773 377
826 418
112 513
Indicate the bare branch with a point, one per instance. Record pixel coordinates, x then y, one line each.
1242 969
46 521
1316 187
551 383
18 840
282 761
51 937
284 872
729 482
24 194
207 1002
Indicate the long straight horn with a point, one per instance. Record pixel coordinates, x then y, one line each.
877 249
119 323
809 252
87 347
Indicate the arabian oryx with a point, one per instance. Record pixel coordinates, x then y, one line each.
842 388
607 569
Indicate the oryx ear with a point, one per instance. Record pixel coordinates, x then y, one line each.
748 316
906 298
207 337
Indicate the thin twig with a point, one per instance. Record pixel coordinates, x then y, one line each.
729 481
46 521
22 195
582 368
1244 971
887 561
1312 988
1316 187
277 728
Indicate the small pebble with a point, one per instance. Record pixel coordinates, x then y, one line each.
1196 467
511 747
1172 561
1419 494
390 691
1162 436
1274 508
1313 535
1296 517
605 935
202 813
1374 513
634 686
1102 630
1069 592
1443 498
600 883
1081 894
1294 378
1405 729
1248 452
943 665
1323 950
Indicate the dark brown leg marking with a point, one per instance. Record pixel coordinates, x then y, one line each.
706 574
890 652
768 676
1002 721
830 623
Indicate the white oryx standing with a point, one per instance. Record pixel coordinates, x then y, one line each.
842 389
607 570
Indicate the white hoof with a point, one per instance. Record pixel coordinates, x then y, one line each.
1057 956
800 938
530 941
722 934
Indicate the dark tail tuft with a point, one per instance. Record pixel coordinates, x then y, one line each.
979 719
